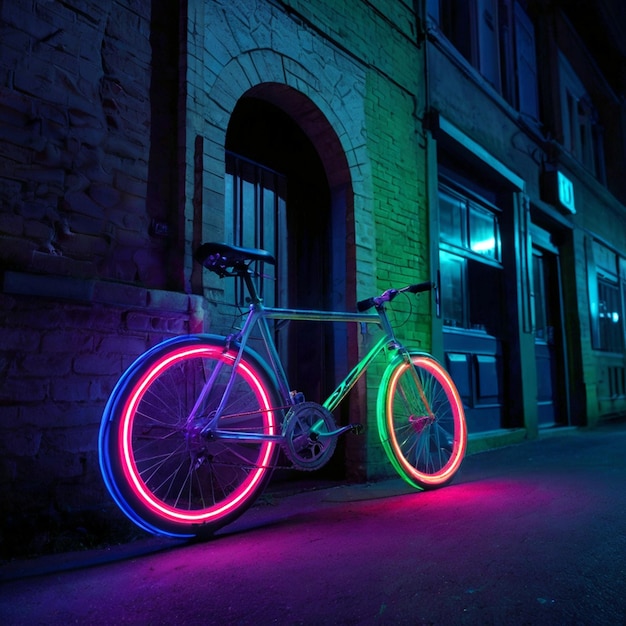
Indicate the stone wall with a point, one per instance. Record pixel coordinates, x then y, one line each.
59 362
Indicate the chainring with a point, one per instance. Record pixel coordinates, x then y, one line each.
303 431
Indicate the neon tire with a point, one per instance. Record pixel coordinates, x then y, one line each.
161 472
426 447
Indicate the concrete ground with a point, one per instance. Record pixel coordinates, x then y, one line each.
529 534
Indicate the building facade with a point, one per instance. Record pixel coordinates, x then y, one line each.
527 203
480 145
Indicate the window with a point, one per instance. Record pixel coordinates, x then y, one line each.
497 38
525 97
582 132
469 258
607 286
542 330
256 218
609 315
453 282
472 28
465 223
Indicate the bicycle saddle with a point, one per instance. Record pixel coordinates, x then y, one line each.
218 257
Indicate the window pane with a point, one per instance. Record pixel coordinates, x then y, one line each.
488 52
484 232
457 25
485 297
540 300
610 316
433 9
526 64
452 219
453 289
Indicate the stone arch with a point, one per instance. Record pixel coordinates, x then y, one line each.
329 108
332 118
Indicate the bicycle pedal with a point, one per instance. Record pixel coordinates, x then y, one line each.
298 397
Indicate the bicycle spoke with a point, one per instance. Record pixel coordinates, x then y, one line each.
421 422
163 472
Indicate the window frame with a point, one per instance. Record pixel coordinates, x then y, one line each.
468 260
497 38
606 271
255 195
582 134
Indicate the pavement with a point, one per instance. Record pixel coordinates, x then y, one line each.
533 533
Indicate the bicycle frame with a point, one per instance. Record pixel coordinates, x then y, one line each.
258 316
170 434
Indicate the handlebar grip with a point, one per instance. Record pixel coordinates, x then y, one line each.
390 294
419 287
364 305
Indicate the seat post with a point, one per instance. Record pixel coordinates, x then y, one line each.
246 274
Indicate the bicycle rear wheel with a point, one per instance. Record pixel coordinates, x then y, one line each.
162 472
421 421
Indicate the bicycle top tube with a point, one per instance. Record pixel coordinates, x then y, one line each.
319 316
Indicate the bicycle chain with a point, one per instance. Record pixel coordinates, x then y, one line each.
284 447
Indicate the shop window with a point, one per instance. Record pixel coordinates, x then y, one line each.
497 38
582 131
471 274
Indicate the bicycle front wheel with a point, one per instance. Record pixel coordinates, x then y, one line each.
421 421
163 472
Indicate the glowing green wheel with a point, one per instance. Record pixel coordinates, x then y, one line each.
421 421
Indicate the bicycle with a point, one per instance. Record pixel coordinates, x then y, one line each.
193 428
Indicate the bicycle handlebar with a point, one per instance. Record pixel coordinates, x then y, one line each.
390 294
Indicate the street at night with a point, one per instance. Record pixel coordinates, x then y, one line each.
529 534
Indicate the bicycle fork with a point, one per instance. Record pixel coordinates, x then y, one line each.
418 422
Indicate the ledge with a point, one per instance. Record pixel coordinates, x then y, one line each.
83 290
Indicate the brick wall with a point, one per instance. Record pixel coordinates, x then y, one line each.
58 364
75 116
88 237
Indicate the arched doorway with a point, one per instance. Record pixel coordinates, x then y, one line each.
279 196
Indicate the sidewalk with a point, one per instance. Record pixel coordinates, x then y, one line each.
558 451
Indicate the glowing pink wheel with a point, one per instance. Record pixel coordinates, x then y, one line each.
165 473
421 421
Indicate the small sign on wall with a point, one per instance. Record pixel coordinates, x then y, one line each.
558 189
566 192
